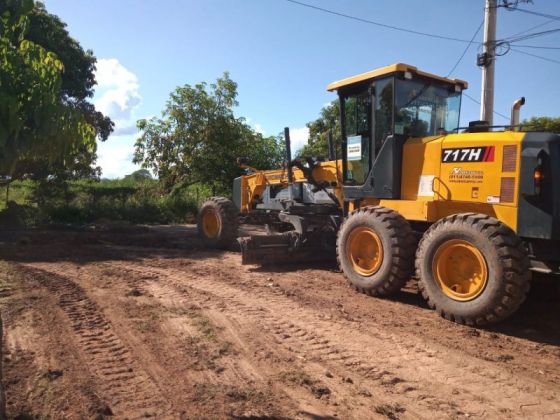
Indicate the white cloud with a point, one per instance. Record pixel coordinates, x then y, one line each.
117 95
115 157
124 130
299 138
259 129
117 92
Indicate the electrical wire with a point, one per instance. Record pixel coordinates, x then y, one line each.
540 25
529 36
504 45
536 56
478 102
372 22
531 12
505 42
540 47
466 49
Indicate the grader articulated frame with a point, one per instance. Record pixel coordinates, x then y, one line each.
469 212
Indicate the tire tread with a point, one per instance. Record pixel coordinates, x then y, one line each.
511 253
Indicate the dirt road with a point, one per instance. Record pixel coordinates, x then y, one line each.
143 322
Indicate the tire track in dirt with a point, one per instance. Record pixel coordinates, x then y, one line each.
124 384
448 383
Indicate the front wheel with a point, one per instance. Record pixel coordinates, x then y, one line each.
375 250
217 222
473 269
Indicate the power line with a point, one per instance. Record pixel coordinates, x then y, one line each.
478 102
466 49
507 43
540 25
372 22
513 38
540 47
530 36
531 12
537 56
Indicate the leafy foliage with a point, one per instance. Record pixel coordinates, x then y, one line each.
545 124
76 87
128 200
198 138
140 175
328 121
34 122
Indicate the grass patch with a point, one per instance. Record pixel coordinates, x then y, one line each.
298 377
391 411
206 348
205 327
149 323
303 379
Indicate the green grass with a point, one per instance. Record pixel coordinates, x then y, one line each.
85 201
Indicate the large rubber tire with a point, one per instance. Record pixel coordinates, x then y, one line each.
507 269
398 245
221 232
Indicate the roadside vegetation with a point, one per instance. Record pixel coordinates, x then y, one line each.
85 201
50 128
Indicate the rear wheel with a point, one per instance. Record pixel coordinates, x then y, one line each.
473 269
375 250
217 222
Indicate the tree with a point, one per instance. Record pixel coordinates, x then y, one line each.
140 175
34 122
328 121
546 124
198 138
76 87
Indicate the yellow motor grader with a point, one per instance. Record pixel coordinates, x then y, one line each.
469 211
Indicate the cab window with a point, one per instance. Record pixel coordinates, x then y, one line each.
383 111
357 111
424 108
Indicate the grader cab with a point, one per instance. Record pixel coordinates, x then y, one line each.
469 212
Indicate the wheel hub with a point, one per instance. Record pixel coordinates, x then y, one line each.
365 251
460 270
210 224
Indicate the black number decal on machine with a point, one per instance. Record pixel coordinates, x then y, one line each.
468 154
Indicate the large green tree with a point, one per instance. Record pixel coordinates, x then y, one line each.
546 124
198 138
328 121
34 122
76 89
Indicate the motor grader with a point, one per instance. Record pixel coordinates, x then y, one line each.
470 212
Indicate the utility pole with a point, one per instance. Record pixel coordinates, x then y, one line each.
487 60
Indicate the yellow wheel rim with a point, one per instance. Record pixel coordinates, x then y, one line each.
365 251
460 270
210 224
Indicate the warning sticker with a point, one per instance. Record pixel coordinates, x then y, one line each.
354 148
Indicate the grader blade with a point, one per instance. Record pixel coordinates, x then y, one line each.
275 249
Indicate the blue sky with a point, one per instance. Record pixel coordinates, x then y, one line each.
283 55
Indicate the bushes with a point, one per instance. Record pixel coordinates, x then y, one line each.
85 201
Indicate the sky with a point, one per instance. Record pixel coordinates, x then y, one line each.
283 55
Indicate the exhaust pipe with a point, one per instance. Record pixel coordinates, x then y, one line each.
288 144
330 139
515 113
